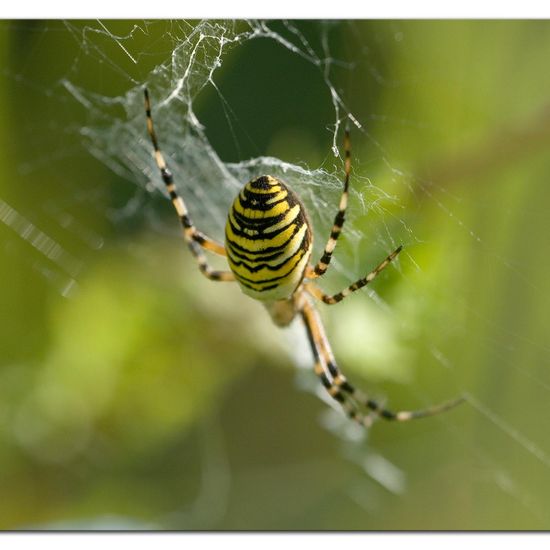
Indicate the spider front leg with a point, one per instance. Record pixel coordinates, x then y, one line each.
193 237
315 291
340 389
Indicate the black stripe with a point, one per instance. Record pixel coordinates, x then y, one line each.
269 287
325 259
262 281
340 217
262 182
310 336
325 381
166 175
341 399
187 223
264 230
257 257
261 205
251 191
256 267
332 369
334 372
255 223
346 386
332 299
269 249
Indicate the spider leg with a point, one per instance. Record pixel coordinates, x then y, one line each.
194 238
339 387
323 263
208 243
315 291
317 338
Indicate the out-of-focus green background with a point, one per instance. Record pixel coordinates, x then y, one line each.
135 394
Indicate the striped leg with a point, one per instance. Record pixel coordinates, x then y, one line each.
317 340
194 238
340 389
323 263
315 291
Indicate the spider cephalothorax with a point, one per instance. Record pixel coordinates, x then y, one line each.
268 243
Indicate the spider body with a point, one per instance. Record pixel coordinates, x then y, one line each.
268 244
268 240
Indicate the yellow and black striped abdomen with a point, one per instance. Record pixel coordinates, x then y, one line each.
268 239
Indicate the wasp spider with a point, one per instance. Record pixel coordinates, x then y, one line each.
268 244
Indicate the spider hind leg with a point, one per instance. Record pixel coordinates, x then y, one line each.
342 391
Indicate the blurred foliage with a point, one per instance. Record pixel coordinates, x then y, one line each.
150 398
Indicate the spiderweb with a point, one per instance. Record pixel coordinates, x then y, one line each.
195 73
198 54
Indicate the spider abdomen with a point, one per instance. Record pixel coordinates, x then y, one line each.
268 239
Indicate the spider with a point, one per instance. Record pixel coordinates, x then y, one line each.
268 244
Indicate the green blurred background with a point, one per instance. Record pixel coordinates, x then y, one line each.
135 394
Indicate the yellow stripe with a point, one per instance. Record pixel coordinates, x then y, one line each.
259 191
259 244
254 214
233 220
290 216
278 197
